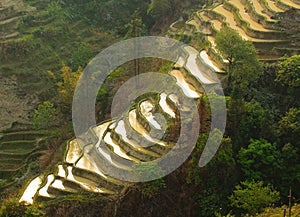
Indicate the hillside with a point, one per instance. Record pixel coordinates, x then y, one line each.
46 170
267 24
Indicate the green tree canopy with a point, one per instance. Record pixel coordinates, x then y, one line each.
290 173
244 66
289 71
81 56
254 122
288 76
45 115
158 9
260 160
289 127
136 28
252 197
149 169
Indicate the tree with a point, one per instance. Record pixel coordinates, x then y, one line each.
149 189
222 159
45 115
289 127
220 215
215 179
229 42
66 85
244 66
260 160
289 71
247 120
2 182
252 197
81 56
136 26
243 70
290 173
159 9
289 77
254 122
135 29
289 131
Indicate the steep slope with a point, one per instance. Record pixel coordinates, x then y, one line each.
265 23
117 144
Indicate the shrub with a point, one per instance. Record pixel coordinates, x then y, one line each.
252 197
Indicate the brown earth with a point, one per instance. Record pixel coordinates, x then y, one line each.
16 105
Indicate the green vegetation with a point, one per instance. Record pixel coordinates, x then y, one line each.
149 189
244 66
66 84
278 212
45 116
159 9
288 76
12 208
265 145
288 73
260 160
253 197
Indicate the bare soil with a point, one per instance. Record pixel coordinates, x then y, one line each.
16 105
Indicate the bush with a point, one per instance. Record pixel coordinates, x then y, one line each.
12 208
45 115
149 189
252 197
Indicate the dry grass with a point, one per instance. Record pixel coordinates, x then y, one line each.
278 212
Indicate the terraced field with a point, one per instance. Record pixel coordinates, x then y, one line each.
194 23
291 4
274 7
217 24
246 16
230 20
254 20
11 12
260 10
17 151
116 145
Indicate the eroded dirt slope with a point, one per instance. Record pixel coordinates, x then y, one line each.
15 104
